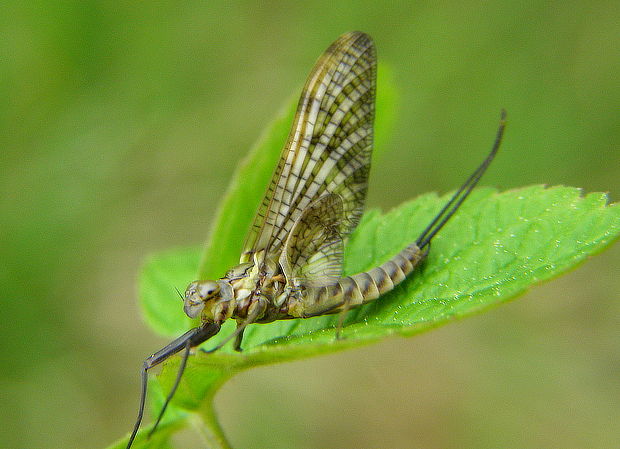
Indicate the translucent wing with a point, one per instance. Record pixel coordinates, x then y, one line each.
328 149
313 251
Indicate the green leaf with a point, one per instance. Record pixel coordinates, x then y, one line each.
495 247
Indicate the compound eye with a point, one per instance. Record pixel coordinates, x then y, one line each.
207 289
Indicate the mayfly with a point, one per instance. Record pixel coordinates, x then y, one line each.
291 264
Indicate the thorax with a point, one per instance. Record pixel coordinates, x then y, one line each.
249 282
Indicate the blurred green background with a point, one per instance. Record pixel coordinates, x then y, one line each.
121 123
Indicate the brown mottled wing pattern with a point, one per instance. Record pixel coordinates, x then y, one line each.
328 149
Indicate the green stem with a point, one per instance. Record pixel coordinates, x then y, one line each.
210 427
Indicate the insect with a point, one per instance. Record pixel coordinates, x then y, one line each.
291 264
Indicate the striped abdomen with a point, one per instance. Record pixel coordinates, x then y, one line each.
352 291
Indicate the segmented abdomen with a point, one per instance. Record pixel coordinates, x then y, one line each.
358 289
